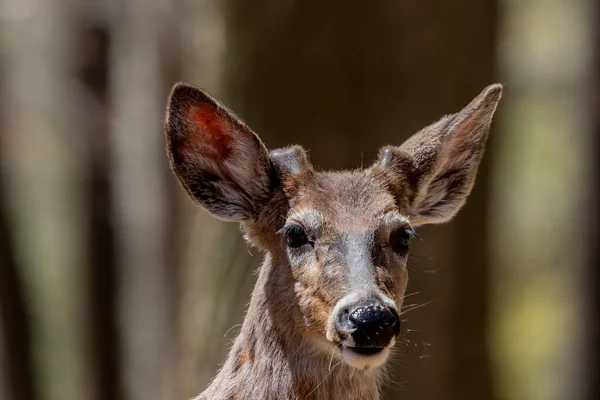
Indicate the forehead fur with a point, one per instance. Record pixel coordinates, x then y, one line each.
350 196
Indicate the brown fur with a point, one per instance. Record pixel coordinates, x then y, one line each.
288 347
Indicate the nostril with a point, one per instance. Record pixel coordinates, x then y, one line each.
344 323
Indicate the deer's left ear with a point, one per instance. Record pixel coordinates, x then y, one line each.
433 172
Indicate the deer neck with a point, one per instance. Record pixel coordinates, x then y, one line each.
272 357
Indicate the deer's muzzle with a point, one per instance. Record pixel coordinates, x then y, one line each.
365 328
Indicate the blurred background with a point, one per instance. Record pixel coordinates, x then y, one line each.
114 286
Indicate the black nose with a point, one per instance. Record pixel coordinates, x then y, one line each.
374 325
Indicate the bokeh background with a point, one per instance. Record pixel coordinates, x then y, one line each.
114 286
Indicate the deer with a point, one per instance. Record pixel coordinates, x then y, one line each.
324 312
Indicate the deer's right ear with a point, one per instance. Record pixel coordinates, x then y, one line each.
220 162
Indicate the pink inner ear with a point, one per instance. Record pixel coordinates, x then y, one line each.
211 133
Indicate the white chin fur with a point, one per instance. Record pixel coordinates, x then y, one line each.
364 362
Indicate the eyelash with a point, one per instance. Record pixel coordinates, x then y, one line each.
399 239
288 228
412 233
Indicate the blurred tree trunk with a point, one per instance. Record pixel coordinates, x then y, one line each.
92 47
16 346
142 52
591 279
344 80
42 189
16 353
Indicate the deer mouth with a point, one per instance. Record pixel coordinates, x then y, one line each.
367 351
365 358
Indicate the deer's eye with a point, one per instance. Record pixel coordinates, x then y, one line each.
399 240
295 236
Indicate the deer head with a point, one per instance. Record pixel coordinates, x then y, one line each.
339 240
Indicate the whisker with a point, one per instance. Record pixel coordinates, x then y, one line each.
331 359
324 379
414 307
409 295
406 296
